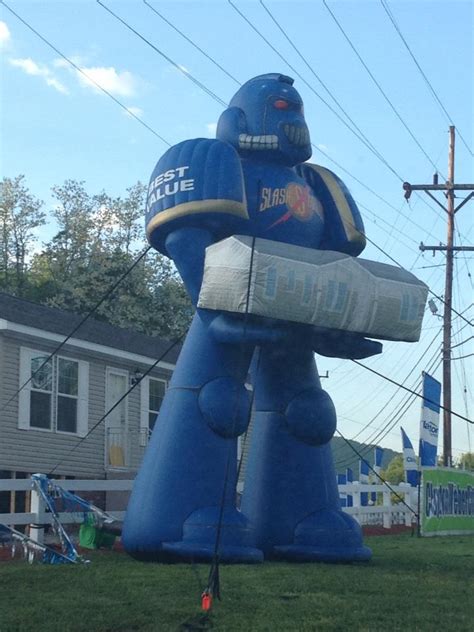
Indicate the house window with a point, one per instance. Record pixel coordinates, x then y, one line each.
152 394
156 393
41 392
54 393
67 394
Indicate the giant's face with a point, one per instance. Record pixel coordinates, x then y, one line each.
270 123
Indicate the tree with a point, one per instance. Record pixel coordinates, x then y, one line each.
395 472
20 216
98 240
466 461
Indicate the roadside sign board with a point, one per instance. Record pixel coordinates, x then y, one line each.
447 502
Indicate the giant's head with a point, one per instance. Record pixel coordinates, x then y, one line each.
265 120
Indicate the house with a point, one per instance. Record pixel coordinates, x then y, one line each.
52 409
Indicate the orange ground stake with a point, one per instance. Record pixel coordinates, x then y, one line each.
206 601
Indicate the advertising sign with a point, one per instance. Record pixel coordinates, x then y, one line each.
429 422
447 502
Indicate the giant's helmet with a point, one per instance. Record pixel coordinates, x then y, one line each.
265 120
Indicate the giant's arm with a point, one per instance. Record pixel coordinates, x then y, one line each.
343 226
343 232
196 197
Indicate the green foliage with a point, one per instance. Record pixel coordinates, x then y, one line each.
346 456
20 216
466 461
98 238
395 472
430 582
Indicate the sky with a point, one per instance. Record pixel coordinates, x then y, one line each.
351 67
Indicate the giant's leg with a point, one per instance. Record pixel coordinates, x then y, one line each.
176 499
290 493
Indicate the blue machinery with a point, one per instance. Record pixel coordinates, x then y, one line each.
252 180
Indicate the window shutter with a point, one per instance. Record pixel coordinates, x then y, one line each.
144 408
24 394
83 399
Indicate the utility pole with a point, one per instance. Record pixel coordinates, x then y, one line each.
449 188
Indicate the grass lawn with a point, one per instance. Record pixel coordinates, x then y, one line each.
411 584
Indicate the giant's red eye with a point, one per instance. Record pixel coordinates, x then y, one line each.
281 104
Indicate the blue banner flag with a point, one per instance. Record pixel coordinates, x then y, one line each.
342 480
378 456
349 478
364 479
409 460
429 423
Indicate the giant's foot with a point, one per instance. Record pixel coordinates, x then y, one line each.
326 536
200 532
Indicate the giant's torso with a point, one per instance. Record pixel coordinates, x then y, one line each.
281 206
204 183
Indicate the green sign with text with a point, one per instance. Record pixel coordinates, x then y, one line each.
447 502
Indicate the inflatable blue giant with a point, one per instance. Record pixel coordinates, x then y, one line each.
252 180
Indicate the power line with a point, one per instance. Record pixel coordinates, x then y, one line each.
385 377
88 77
395 416
388 11
188 39
374 435
178 67
429 290
381 90
215 97
218 99
393 419
382 199
369 423
362 137
315 75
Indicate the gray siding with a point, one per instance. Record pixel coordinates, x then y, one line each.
35 450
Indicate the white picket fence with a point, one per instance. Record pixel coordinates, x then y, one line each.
386 514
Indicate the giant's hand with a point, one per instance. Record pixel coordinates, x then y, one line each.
343 344
232 329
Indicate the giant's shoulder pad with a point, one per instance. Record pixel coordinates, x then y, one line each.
196 183
343 226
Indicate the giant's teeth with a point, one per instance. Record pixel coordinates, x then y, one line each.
258 142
